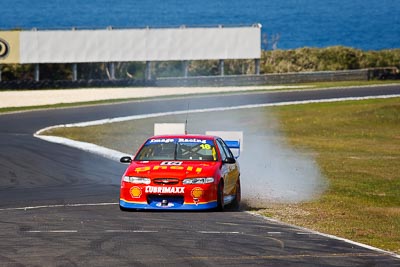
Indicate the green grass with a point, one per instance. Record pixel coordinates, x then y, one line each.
358 148
355 143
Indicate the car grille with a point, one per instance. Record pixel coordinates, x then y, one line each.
169 181
170 199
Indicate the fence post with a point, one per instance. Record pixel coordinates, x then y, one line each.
112 71
257 66
221 67
185 68
37 72
148 71
74 66
74 72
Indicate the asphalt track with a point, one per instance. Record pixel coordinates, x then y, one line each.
57 204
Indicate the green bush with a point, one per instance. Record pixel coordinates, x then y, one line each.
327 59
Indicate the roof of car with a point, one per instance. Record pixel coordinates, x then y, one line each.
197 136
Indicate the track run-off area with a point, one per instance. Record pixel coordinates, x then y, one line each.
58 204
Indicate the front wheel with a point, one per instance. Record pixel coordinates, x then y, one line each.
220 197
235 205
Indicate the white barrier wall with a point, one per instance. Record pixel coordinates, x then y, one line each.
136 45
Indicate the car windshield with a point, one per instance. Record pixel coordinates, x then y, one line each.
178 149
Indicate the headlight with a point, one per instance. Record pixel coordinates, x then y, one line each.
207 180
136 180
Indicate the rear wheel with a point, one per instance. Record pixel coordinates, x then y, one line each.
220 196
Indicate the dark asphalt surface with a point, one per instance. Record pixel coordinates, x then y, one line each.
36 173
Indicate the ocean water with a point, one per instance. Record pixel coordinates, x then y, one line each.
364 24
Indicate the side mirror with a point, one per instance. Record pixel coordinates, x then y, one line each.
125 159
229 160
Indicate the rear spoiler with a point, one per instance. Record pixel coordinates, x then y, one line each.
233 144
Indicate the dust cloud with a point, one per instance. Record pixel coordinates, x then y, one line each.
271 170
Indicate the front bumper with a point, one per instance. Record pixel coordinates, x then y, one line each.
158 206
189 197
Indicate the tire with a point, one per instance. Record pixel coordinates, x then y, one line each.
235 205
220 197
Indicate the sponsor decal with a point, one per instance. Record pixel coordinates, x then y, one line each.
10 47
155 168
163 140
165 190
205 146
4 49
143 169
177 168
192 140
171 163
171 166
197 192
135 191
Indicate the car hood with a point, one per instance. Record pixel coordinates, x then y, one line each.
172 169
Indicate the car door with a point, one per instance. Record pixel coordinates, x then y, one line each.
229 168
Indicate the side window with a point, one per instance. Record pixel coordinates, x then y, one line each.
228 152
224 156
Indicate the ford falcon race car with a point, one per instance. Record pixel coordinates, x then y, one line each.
182 172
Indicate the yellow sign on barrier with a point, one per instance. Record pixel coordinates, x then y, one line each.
9 47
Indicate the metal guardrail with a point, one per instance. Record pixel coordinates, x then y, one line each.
227 80
267 79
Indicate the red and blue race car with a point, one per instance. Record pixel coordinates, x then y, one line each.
182 172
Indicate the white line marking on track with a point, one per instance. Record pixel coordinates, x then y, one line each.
217 232
234 224
130 231
52 231
60 206
326 235
76 231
